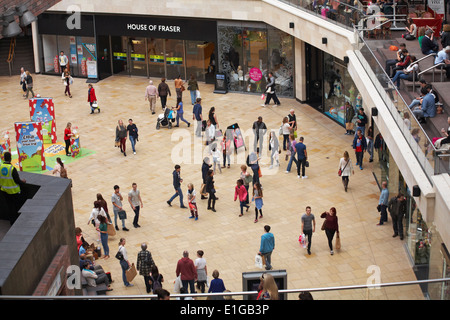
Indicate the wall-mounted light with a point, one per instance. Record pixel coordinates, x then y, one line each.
374 112
416 191
324 40
10 26
291 25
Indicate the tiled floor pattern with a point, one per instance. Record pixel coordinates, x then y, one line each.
229 242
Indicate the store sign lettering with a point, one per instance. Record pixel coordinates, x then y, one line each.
153 27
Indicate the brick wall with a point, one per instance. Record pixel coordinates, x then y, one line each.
35 6
56 271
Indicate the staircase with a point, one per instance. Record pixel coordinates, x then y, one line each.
23 56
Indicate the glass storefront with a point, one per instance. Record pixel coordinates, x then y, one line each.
248 50
338 89
329 85
77 49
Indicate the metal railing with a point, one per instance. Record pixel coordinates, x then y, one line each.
415 135
367 294
434 67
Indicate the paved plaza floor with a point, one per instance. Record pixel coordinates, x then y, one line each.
230 242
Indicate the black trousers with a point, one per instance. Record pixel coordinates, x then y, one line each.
67 146
163 101
308 233
13 205
397 224
212 200
272 96
330 236
148 286
301 163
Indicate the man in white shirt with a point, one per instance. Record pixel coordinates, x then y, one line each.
23 82
63 61
134 198
443 56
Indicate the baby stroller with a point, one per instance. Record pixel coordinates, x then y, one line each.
165 119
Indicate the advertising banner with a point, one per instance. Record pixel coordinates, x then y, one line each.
30 146
42 110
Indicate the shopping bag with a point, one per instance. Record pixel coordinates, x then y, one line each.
131 273
303 240
177 284
338 242
258 261
111 230
263 96
197 93
122 214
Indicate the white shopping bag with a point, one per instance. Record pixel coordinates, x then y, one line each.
303 240
258 261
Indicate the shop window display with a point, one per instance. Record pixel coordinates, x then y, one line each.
339 88
78 50
245 53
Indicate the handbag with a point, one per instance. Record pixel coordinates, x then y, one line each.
182 88
340 171
122 214
323 225
338 242
131 273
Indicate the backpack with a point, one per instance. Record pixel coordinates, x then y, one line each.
156 283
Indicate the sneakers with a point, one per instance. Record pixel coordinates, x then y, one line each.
331 252
305 177
169 203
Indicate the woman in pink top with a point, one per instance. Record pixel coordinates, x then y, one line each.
241 191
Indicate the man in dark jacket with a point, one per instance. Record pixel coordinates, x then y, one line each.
259 130
428 45
397 209
177 186
205 168
359 145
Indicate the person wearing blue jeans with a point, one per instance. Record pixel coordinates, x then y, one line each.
103 228
116 200
383 203
177 186
132 134
180 112
267 246
292 157
407 73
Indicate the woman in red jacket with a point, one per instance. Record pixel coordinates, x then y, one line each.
92 98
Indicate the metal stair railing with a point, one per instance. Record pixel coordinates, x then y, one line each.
11 54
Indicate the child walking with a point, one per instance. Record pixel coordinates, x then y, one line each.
241 191
191 201
257 197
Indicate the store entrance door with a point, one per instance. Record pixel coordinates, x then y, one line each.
314 77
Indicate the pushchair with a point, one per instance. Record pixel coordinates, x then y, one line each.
165 119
